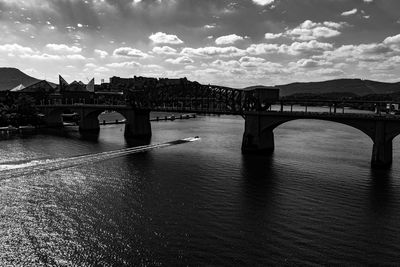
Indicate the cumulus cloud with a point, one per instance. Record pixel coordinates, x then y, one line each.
272 35
163 38
129 52
75 57
392 40
16 48
209 51
209 26
259 49
308 63
228 39
90 65
373 52
225 64
180 60
350 12
295 48
41 57
311 47
309 30
126 64
45 56
63 48
329 72
263 2
164 50
101 53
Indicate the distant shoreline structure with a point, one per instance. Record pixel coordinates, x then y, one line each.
12 78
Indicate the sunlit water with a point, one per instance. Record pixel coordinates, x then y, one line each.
314 200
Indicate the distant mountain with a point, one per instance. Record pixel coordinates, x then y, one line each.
12 77
354 86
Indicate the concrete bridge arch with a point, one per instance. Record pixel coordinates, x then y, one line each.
137 121
259 136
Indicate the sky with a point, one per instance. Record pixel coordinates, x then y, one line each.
231 43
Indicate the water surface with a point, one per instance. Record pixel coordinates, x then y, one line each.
314 200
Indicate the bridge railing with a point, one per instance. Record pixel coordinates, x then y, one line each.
333 107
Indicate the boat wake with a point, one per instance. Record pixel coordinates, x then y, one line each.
8 170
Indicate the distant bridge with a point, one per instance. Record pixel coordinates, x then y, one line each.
261 109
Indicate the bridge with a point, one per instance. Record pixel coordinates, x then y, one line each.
261 109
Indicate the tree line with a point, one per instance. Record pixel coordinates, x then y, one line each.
18 110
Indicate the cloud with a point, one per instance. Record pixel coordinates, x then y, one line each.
392 40
63 48
247 64
263 2
180 60
296 48
129 52
90 65
41 57
164 50
163 38
309 30
272 35
350 12
209 51
373 52
308 63
228 39
101 69
101 53
45 56
311 47
75 57
126 64
329 72
259 49
209 26
16 48
225 64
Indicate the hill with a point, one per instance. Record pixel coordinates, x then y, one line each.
12 77
354 86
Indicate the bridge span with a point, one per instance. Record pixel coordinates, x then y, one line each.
261 109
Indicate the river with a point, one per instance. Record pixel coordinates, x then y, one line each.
314 200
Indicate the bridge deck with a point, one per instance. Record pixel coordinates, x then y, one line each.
297 114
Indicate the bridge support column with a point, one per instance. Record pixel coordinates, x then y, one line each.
255 140
137 124
53 120
382 152
89 123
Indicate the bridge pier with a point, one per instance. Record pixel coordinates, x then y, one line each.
255 139
89 123
137 124
382 151
53 120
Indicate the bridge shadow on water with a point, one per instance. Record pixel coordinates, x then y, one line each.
381 194
259 179
133 142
